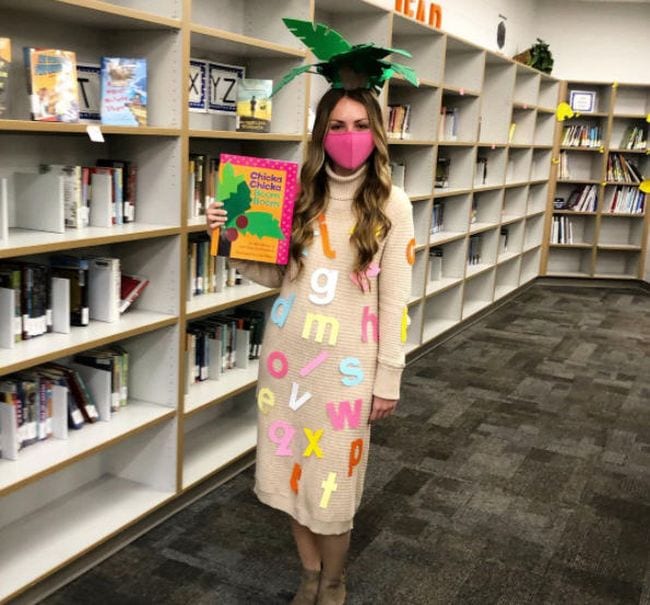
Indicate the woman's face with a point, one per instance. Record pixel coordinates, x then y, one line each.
348 116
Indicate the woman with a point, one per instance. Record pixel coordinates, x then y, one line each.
333 348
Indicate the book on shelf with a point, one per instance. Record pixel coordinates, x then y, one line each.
114 361
90 92
435 263
5 64
254 105
75 270
442 173
511 131
563 168
124 91
52 84
131 287
503 239
620 169
124 176
448 124
203 170
627 200
398 121
398 173
76 213
104 285
634 137
474 213
474 250
582 136
197 89
259 196
10 281
437 217
481 174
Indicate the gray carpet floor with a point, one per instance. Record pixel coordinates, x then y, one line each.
516 470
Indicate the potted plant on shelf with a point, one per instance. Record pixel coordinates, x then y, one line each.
538 56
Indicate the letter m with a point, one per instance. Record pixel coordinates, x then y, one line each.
322 322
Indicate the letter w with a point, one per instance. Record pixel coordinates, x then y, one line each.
344 414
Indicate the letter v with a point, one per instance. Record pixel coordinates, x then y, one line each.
295 403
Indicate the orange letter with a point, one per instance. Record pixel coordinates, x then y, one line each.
408 9
295 477
327 251
435 15
399 6
356 450
410 251
420 14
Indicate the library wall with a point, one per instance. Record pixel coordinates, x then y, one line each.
601 41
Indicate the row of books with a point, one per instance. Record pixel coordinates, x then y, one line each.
222 342
398 120
113 91
634 137
474 250
503 239
47 400
627 200
563 167
442 173
203 170
36 298
448 124
437 217
562 230
582 199
582 136
100 195
620 169
209 274
481 174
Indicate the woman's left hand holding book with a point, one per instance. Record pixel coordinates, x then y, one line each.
216 215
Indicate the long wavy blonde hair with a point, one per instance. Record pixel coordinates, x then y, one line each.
372 224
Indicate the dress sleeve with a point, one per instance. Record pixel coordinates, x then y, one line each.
394 290
265 274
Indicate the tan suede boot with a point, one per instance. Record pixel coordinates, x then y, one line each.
331 591
308 588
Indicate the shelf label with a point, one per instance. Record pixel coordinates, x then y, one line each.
95 133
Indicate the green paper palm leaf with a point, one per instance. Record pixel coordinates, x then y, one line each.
408 73
323 41
296 71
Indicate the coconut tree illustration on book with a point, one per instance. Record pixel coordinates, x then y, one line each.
235 194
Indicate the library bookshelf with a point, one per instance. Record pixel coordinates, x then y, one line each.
64 498
609 241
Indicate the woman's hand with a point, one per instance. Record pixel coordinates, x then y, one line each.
381 408
215 216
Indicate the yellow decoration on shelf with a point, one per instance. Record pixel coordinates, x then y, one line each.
614 84
601 149
555 160
645 186
647 118
563 111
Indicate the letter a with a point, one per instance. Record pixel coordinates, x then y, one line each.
280 309
344 414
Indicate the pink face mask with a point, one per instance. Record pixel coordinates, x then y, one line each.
349 149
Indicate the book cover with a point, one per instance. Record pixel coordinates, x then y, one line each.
254 107
5 61
124 91
197 86
52 81
89 85
223 82
259 195
75 270
131 286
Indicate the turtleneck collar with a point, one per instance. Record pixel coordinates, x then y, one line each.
343 188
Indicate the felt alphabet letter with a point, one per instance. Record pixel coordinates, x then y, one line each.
323 293
280 309
283 439
356 451
313 447
351 368
344 414
329 486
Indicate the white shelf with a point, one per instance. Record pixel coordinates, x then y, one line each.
25 241
216 444
473 270
46 455
472 307
51 346
433 287
501 291
230 296
435 327
230 383
435 239
49 537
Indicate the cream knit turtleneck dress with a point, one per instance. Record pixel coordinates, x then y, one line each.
328 348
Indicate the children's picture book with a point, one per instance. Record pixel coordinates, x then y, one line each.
124 91
89 84
52 81
5 61
254 105
259 195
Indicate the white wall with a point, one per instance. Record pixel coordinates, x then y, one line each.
602 41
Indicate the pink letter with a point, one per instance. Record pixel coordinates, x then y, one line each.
344 414
372 318
284 439
284 364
